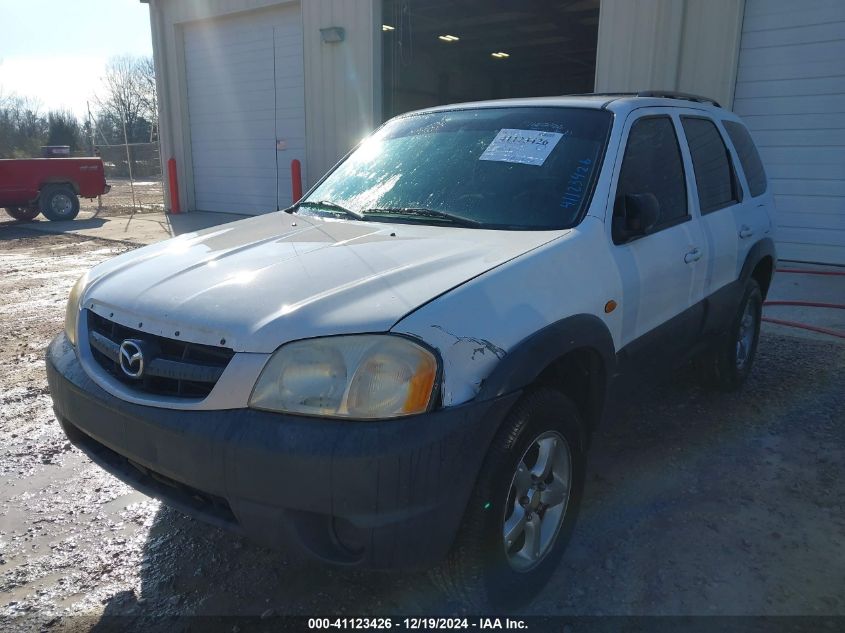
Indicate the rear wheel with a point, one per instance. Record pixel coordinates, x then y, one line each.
727 367
59 202
522 511
23 214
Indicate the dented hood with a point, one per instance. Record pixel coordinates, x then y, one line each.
264 281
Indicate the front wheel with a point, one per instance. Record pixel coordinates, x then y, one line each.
59 202
23 214
523 508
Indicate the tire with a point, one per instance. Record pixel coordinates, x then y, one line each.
727 367
23 214
481 572
58 202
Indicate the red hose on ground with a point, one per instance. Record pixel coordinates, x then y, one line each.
807 304
798 271
804 326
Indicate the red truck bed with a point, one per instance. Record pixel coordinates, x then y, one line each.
50 185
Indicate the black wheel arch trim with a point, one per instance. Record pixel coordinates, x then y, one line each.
763 248
523 364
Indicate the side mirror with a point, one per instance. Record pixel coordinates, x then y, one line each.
640 214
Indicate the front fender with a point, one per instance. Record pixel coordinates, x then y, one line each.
526 361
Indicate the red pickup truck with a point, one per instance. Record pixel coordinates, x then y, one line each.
51 186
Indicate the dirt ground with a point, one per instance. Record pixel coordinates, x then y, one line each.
696 503
148 196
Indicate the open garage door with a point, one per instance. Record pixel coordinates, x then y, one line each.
245 86
789 90
446 51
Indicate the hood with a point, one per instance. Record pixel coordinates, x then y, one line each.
264 281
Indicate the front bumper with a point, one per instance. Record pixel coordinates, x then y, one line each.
382 495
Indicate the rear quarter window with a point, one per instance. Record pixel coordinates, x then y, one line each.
749 157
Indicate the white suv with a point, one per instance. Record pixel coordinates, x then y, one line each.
405 368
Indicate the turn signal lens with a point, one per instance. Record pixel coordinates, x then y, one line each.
73 308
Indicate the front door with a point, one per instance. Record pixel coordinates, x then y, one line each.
661 272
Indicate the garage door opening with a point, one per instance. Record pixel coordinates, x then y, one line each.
446 51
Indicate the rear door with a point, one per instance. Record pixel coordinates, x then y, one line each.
662 272
717 196
754 216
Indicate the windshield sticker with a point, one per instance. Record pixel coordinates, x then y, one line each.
575 187
529 147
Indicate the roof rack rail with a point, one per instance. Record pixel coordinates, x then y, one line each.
663 94
668 94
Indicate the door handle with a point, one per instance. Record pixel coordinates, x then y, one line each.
693 256
745 231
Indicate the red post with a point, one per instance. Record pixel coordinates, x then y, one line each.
296 180
174 186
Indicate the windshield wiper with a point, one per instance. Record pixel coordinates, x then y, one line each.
422 212
330 206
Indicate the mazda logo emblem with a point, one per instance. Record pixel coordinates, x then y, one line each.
132 358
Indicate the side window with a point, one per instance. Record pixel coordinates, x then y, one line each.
652 165
748 156
714 176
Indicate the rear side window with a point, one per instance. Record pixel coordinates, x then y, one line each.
748 156
711 163
653 164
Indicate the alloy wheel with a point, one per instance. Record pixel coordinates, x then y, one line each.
537 501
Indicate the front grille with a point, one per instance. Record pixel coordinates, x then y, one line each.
171 367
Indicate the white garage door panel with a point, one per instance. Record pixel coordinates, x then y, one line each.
791 35
791 70
791 92
797 104
826 205
812 220
808 188
245 81
802 235
802 172
798 138
789 122
775 88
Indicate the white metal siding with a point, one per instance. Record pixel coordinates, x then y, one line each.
685 45
245 90
343 80
791 92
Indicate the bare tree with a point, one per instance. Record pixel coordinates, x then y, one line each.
127 95
147 73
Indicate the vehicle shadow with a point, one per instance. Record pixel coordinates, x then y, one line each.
12 229
677 516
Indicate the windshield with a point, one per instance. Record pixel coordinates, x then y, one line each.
513 168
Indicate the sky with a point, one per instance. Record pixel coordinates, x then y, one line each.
55 51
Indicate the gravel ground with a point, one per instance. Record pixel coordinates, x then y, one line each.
696 503
148 197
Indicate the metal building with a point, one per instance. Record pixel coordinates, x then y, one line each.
245 86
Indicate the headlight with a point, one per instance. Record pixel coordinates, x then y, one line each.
72 310
367 376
